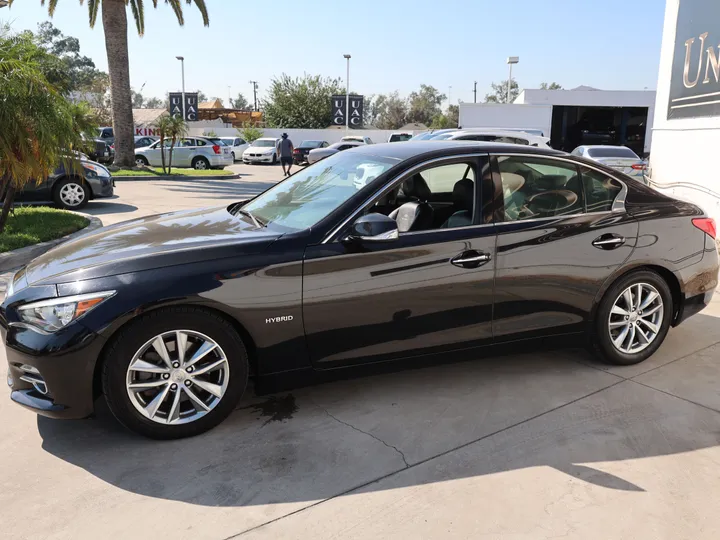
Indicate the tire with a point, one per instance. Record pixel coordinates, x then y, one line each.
233 155
199 326
604 338
141 161
71 194
274 159
200 164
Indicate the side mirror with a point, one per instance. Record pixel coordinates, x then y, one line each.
374 228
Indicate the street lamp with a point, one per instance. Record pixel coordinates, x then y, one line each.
511 60
347 94
182 67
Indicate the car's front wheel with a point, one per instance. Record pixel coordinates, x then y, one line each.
633 318
71 194
274 159
176 372
141 161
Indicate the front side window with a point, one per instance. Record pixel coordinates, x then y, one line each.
313 193
600 190
539 188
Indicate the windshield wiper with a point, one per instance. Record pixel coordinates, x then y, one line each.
259 224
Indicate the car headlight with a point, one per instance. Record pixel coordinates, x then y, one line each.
56 313
9 291
92 170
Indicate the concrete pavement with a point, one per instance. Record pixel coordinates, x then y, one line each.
537 445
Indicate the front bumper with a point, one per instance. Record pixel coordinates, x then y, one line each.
262 158
101 187
65 361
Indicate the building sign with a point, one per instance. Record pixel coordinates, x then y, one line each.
695 78
356 111
191 105
146 132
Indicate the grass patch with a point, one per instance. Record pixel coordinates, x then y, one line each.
33 224
157 171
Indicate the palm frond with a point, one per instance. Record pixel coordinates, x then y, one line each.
177 8
203 10
138 11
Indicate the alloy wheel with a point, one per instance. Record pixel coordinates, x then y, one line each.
177 377
72 194
636 318
201 165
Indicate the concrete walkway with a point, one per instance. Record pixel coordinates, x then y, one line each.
526 446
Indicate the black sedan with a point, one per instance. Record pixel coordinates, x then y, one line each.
300 152
70 188
377 253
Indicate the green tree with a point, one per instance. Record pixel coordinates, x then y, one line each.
425 104
239 102
448 119
173 128
499 92
38 125
250 132
138 100
392 111
551 86
201 96
301 102
115 27
154 103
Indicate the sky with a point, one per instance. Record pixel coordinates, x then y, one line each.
395 44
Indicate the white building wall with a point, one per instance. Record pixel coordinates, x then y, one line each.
683 156
500 115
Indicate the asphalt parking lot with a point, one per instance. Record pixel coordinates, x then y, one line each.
532 445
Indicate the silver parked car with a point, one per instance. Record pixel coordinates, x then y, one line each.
620 158
196 152
320 153
142 141
493 135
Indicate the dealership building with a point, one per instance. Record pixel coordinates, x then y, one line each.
686 131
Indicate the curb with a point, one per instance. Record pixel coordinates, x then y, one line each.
181 178
19 257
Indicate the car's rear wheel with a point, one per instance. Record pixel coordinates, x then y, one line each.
141 161
633 318
71 194
200 164
176 372
233 156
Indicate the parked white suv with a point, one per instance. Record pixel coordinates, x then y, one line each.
196 152
264 150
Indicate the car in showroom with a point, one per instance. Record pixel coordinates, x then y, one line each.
444 248
301 152
237 146
70 186
195 152
620 158
262 150
317 154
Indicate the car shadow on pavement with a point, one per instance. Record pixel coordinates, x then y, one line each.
545 408
101 207
219 189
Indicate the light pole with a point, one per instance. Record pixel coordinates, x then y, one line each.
182 67
475 92
511 60
347 94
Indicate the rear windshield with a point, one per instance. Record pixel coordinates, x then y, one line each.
217 140
310 144
619 152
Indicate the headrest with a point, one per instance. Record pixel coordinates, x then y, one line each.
551 181
415 186
464 194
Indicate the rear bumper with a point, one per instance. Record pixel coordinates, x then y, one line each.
699 289
221 160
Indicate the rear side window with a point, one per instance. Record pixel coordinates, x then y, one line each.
600 190
442 179
539 188
201 142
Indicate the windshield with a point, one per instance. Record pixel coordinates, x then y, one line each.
619 152
310 144
263 143
395 137
313 193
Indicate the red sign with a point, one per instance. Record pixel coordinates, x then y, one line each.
146 132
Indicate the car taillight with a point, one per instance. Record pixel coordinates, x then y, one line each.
639 166
706 225
296 151
216 149
112 147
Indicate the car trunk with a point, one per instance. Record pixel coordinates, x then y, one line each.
624 165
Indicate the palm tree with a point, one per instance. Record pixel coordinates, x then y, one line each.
39 127
114 18
176 128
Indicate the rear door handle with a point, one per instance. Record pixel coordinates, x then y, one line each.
609 241
470 259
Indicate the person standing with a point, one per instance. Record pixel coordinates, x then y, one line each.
286 154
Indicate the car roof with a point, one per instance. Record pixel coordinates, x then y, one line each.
267 139
410 149
603 146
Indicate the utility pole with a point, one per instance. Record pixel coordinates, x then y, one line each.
255 87
475 92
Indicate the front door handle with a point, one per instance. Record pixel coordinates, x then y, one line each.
609 241
470 259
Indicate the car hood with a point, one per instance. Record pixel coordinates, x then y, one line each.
260 149
150 242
